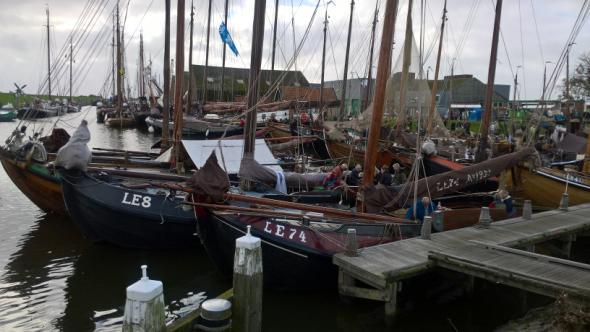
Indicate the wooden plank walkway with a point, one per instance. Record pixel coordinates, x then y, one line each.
532 272
382 265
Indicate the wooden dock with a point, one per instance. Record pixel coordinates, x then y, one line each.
466 250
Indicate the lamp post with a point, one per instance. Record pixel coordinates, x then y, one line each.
427 72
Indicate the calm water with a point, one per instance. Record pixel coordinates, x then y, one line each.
51 278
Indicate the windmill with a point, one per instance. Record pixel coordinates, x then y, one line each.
18 92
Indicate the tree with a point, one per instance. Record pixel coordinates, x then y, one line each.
580 80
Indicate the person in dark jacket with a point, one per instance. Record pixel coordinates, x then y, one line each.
385 178
354 177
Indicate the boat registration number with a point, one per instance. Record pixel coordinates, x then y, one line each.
137 200
285 232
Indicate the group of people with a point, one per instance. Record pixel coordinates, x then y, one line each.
386 175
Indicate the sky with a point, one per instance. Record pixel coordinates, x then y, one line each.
533 32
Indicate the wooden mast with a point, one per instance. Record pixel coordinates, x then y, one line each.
113 65
255 62
166 88
322 83
224 51
274 43
119 67
383 69
141 67
345 76
407 60
178 114
205 81
71 62
485 121
370 74
48 54
189 96
436 69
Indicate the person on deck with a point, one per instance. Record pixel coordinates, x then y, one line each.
502 199
385 178
333 180
354 178
424 208
398 177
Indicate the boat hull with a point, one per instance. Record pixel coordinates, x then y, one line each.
545 187
126 217
42 189
7 116
198 128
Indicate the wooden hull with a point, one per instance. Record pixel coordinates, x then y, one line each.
353 155
43 190
544 187
118 122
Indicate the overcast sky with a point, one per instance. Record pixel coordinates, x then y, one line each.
524 43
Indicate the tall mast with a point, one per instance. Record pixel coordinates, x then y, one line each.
48 54
205 81
113 60
255 62
224 50
274 43
321 105
407 60
436 69
370 75
119 66
485 122
380 84
189 96
178 82
166 88
141 67
71 61
345 77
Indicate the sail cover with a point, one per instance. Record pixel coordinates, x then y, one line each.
378 199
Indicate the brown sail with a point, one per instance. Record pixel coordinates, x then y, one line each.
378 199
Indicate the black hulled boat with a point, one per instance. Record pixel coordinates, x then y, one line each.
134 216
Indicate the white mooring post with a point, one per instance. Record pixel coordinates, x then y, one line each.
247 283
426 228
563 205
484 217
144 307
527 210
352 245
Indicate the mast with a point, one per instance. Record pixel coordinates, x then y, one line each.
274 43
485 121
224 51
113 59
401 116
178 83
370 75
345 77
141 67
119 67
48 54
436 69
166 88
321 105
255 62
71 61
383 69
189 96
205 81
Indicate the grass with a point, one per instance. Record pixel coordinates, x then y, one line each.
6 98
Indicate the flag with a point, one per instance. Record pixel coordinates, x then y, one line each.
226 38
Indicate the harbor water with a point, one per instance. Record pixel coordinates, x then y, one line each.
52 279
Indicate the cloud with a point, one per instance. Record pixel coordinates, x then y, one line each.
22 57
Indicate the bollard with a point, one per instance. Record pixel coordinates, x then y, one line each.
352 245
426 228
144 307
527 210
563 205
247 283
215 316
484 217
438 222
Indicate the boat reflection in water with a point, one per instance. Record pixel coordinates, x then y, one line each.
57 280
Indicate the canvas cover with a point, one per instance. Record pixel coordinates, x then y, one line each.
210 180
76 154
378 199
572 143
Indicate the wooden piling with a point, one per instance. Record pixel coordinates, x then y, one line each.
563 205
351 243
484 217
247 284
527 210
426 228
144 307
